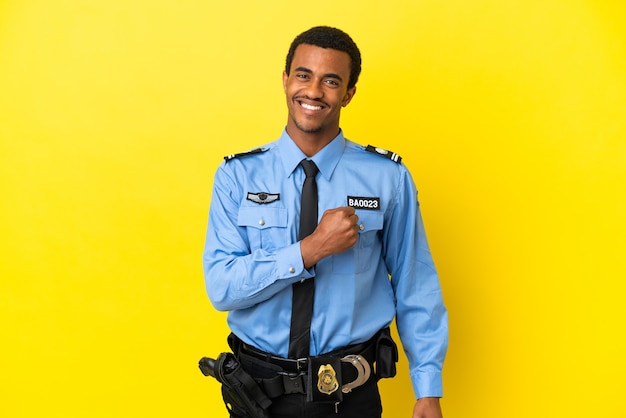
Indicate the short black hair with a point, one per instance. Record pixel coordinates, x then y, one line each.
333 38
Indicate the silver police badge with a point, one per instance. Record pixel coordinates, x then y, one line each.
327 379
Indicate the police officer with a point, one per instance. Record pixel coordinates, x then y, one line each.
367 260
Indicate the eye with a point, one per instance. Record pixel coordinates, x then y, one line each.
302 76
332 82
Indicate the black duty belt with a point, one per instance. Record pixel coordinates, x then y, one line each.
366 350
285 376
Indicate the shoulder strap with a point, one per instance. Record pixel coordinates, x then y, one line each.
244 154
383 152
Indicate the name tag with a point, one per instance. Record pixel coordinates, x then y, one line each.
367 203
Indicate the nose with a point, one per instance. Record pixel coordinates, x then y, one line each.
314 90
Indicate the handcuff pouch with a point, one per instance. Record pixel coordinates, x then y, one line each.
386 355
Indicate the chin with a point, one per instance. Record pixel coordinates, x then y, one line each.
309 129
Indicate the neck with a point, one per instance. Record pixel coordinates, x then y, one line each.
310 143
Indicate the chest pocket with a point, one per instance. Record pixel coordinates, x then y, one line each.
266 226
369 225
367 249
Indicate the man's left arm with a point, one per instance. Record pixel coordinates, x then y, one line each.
421 315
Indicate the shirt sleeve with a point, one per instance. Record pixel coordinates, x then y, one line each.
235 276
421 315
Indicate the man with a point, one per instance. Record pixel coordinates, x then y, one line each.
366 262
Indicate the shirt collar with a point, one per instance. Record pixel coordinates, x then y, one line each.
326 159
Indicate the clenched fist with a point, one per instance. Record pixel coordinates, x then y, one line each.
337 231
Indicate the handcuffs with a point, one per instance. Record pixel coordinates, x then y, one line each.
363 369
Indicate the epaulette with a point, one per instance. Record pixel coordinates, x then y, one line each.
387 154
244 154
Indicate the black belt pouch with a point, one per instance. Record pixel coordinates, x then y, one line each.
324 380
386 355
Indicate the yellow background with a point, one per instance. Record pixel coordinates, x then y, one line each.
115 114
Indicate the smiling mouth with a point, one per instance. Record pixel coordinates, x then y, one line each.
310 107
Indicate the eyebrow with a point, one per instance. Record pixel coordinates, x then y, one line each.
328 75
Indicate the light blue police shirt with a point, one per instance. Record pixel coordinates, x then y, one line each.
252 256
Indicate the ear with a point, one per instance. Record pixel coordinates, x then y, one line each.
348 97
285 78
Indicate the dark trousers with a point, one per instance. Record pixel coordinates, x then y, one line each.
362 402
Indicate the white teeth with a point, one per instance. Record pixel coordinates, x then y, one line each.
309 107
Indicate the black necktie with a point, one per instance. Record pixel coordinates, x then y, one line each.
303 292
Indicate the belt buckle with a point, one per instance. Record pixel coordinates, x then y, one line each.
301 363
363 369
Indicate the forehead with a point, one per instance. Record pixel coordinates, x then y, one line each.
323 60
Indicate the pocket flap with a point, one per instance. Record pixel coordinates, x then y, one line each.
370 221
262 217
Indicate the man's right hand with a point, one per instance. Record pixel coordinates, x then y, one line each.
337 231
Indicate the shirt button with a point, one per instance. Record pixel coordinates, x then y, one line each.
362 227
262 222
292 270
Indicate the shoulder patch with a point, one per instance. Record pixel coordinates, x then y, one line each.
244 154
387 154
